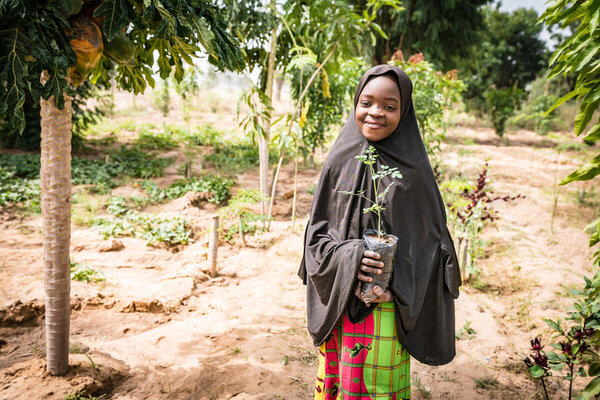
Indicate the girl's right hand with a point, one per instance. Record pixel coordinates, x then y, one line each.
369 264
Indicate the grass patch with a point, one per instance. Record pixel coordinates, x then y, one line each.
487 382
85 208
85 273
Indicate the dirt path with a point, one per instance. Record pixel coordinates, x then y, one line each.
160 328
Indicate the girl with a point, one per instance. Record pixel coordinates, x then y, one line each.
365 349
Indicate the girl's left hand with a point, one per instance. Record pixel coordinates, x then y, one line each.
382 297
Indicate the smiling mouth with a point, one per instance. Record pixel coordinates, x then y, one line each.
374 125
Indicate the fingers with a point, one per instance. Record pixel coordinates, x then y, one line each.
370 261
382 297
364 277
371 254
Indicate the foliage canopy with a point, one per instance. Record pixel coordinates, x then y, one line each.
34 37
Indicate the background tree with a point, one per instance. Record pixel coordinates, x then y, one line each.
510 54
62 41
578 54
442 30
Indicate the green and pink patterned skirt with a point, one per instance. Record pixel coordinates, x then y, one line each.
364 361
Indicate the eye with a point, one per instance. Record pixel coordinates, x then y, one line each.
365 103
391 108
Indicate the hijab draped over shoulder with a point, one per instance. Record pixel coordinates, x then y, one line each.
426 274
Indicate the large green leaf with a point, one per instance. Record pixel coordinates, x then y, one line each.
585 172
591 390
585 114
116 14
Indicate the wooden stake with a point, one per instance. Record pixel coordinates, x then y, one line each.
213 246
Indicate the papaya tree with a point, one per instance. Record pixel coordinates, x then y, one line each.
578 54
46 48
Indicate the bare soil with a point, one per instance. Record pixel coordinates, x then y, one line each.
162 328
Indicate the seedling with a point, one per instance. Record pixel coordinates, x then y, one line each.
377 205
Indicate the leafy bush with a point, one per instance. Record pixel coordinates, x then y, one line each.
151 228
152 140
240 218
85 273
543 94
14 190
217 186
576 343
203 135
468 206
235 157
501 104
124 163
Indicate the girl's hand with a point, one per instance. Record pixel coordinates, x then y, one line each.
369 264
382 297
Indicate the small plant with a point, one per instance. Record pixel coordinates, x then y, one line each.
151 228
576 345
242 218
486 382
466 332
83 396
85 273
216 186
377 205
424 390
468 206
152 140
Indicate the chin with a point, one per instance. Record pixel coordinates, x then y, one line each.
374 136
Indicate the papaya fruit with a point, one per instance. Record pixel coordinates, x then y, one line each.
86 43
68 8
120 50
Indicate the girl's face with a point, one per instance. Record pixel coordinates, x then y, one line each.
378 108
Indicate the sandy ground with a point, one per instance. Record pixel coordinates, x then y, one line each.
161 328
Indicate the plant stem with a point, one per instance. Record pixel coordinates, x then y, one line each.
545 390
571 381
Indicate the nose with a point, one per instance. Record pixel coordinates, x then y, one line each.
375 111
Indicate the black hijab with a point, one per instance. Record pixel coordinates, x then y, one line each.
426 274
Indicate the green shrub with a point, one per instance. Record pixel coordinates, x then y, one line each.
151 228
153 140
217 186
502 104
14 190
238 217
203 135
236 156
85 273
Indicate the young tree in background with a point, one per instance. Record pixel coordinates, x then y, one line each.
578 54
48 46
442 30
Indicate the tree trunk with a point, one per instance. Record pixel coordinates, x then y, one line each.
263 141
213 246
279 82
409 13
55 177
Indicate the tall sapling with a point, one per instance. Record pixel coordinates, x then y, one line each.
375 239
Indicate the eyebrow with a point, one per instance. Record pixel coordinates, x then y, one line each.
387 98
